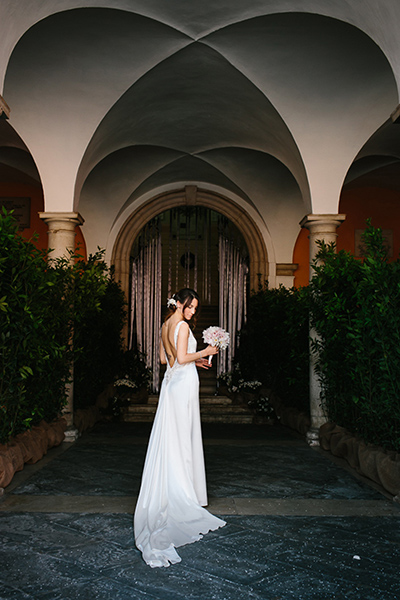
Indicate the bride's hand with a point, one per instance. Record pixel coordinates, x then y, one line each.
202 363
210 350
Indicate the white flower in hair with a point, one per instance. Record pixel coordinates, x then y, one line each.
171 302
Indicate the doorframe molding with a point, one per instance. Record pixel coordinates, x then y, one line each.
190 195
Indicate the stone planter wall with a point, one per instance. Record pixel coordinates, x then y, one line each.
373 462
85 418
29 447
288 415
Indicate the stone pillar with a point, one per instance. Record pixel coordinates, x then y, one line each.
321 227
61 243
61 232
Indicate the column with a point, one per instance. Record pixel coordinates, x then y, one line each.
61 232
61 242
323 228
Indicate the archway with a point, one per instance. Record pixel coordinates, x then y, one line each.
190 196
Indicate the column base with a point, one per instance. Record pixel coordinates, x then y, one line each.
71 434
312 436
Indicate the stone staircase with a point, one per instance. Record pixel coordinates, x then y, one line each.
213 409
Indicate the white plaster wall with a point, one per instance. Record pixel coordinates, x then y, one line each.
304 91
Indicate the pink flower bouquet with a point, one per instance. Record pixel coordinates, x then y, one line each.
216 336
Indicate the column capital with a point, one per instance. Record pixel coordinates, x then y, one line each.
61 232
322 223
68 219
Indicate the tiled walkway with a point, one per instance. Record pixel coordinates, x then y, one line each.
299 525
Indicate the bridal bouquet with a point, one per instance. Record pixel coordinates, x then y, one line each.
216 336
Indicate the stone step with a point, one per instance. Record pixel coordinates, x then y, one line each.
228 418
150 409
208 390
213 400
213 409
210 399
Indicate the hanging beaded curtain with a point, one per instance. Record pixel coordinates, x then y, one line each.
184 228
233 271
146 298
207 241
189 236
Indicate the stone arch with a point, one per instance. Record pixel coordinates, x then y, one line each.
191 196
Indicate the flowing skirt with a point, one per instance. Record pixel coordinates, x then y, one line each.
169 509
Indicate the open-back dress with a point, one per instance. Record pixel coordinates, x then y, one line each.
169 509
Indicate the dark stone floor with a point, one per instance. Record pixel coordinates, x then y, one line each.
299 525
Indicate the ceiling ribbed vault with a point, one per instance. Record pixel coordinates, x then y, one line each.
273 105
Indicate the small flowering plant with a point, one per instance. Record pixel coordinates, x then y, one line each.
126 382
133 373
249 390
216 336
262 406
235 382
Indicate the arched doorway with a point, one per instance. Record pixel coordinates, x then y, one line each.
194 200
188 246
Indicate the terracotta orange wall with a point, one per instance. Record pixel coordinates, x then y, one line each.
38 226
381 205
301 257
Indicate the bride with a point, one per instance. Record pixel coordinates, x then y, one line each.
169 509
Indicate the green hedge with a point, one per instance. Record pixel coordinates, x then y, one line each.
44 305
355 309
354 306
97 337
34 353
274 347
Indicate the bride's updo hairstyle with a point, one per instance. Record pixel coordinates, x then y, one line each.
185 296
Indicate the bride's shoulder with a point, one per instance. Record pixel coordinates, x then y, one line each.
181 328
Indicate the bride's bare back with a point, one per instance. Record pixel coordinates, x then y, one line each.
169 352
167 336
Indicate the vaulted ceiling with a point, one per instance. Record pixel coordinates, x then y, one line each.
274 104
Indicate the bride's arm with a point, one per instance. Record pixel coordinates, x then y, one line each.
182 354
163 358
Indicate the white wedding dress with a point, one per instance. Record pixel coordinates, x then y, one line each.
169 509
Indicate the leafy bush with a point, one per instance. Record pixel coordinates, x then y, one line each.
53 315
355 310
274 347
99 308
35 356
